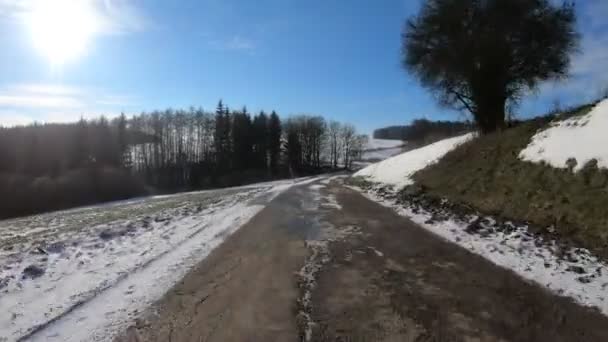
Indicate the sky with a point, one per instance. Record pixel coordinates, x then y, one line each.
66 59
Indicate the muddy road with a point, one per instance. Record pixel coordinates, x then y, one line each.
323 263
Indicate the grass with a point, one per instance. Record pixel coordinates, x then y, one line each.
487 174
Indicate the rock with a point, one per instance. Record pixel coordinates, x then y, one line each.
474 226
106 235
55 247
576 269
39 250
413 190
584 280
32 272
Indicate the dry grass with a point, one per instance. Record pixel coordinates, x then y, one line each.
487 174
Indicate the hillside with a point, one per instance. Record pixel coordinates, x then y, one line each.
495 174
396 171
519 198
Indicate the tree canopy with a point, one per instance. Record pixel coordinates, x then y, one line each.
480 55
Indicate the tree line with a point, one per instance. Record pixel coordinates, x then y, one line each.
421 131
195 149
53 166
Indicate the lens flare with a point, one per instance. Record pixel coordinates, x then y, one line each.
61 30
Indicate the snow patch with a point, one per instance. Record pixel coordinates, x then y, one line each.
84 274
330 202
396 171
319 253
582 137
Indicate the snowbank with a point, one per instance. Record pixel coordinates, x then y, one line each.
581 137
570 272
396 171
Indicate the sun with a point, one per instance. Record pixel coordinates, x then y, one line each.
61 30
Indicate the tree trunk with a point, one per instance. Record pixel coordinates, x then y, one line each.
490 115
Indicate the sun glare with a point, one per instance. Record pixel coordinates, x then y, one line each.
61 30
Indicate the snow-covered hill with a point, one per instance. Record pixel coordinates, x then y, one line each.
581 137
396 171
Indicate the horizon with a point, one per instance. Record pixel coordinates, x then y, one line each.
338 60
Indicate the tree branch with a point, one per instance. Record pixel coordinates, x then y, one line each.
463 99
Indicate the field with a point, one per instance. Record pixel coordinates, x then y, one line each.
82 273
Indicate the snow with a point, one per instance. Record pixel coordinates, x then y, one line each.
396 171
380 149
102 266
579 275
380 154
581 137
383 143
317 204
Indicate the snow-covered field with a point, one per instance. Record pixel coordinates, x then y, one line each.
396 171
382 143
380 149
582 138
84 274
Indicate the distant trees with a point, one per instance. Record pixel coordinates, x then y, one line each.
274 142
333 134
480 55
423 130
170 150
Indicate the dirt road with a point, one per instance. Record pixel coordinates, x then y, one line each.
323 263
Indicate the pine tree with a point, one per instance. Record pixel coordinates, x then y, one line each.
260 143
121 137
242 140
274 141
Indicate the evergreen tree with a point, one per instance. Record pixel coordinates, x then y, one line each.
260 143
121 128
79 147
222 136
242 140
274 141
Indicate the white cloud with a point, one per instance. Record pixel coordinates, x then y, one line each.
26 103
48 89
33 96
38 101
11 118
588 79
234 43
115 100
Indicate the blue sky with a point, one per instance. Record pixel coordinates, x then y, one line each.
336 58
